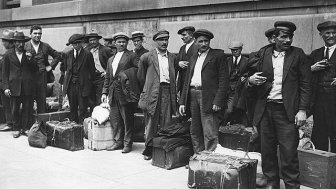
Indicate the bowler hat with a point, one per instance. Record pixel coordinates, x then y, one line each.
120 35
187 28
161 34
136 34
7 35
235 45
74 38
19 36
285 26
269 32
203 32
93 35
326 25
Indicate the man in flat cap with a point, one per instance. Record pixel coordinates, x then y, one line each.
109 42
45 73
157 73
236 102
101 54
324 89
186 51
282 85
5 101
121 112
18 74
138 38
80 71
204 92
269 35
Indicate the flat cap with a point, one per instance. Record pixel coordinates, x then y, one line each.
136 34
269 32
161 34
187 28
285 26
7 35
93 35
108 38
326 25
75 37
235 45
203 32
120 35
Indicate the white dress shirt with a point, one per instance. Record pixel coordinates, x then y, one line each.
163 66
35 46
188 46
238 59
196 80
76 51
331 50
19 55
278 62
95 53
116 61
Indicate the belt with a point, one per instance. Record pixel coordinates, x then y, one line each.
196 88
164 84
277 101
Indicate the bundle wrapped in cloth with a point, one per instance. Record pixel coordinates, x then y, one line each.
101 113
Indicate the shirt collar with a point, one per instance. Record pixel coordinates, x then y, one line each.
204 53
331 47
191 42
34 44
277 54
162 54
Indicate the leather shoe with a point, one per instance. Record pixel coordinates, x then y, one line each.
16 134
115 147
126 149
147 157
26 132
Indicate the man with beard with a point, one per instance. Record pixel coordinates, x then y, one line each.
137 38
5 101
282 85
156 74
121 112
324 89
186 51
42 50
18 78
101 54
205 87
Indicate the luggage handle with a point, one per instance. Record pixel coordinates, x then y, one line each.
313 146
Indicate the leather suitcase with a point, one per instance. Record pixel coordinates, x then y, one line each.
216 171
100 136
139 128
66 135
175 158
235 139
317 168
53 116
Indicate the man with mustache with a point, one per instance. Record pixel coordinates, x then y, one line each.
324 89
18 71
204 92
283 88
156 74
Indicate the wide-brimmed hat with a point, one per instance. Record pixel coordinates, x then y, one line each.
326 25
203 32
7 35
93 35
19 36
75 37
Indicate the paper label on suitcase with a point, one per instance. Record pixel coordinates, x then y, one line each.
100 137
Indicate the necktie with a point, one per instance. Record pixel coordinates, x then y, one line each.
327 54
76 54
236 61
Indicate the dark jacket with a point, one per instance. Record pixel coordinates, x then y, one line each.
86 70
17 76
215 80
140 52
130 85
296 83
112 84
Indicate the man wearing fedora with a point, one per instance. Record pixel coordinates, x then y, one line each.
324 89
186 51
5 101
43 51
138 38
204 92
18 76
156 74
236 102
121 112
283 88
101 54
79 74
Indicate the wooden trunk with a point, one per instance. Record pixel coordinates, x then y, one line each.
100 136
175 158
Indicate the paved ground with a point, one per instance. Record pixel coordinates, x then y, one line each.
25 167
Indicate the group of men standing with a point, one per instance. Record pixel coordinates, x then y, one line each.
283 85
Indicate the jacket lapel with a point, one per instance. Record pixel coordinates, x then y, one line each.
71 59
156 61
121 62
207 58
268 64
288 60
171 67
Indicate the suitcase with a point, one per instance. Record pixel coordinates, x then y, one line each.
215 171
66 135
177 157
100 136
317 168
139 128
234 138
53 116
